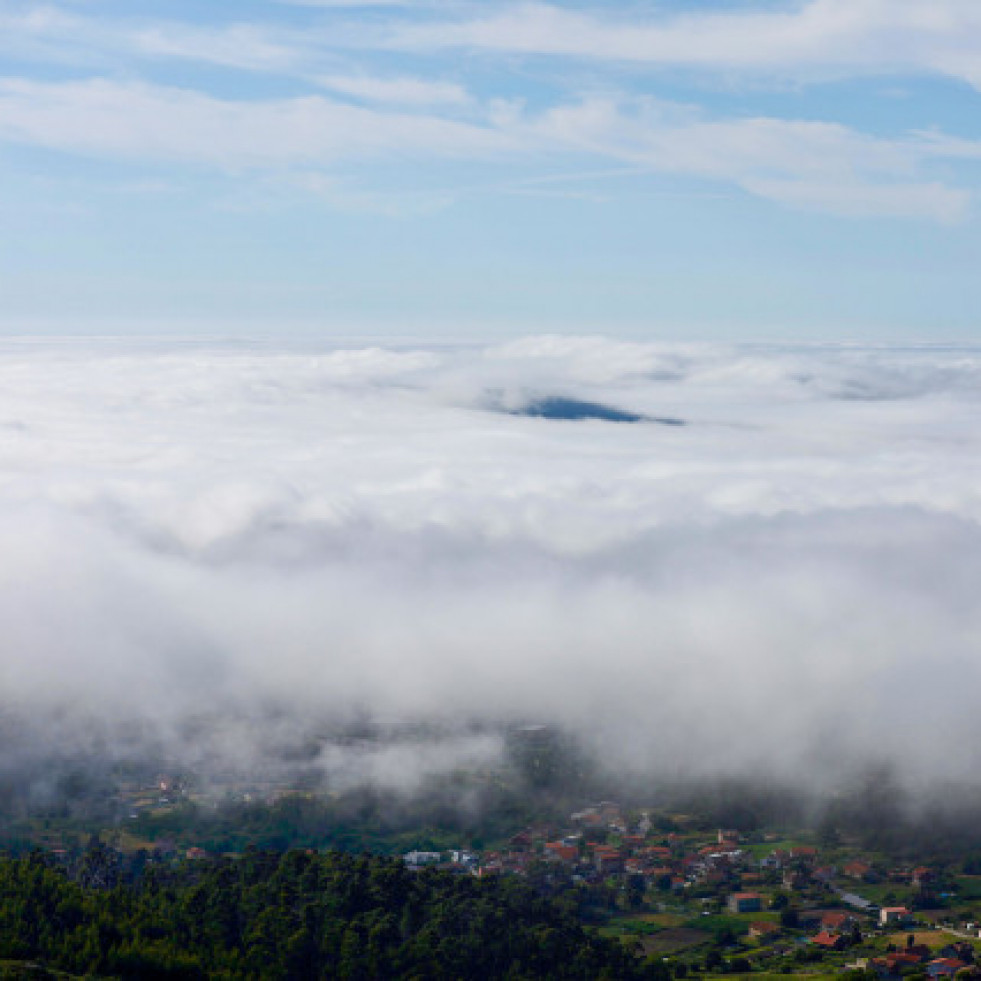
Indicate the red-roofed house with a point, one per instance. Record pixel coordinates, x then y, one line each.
892 965
556 851
857 870
745 902
837 922
922 877
607 858
945 967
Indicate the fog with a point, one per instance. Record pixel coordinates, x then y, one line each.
214 550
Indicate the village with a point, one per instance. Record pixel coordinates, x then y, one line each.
704 900
721 902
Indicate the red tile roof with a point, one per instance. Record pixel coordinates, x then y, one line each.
567 853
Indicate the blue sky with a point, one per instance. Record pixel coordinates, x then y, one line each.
734 170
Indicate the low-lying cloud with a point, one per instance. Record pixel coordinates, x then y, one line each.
787 585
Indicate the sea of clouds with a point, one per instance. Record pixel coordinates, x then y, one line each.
787 583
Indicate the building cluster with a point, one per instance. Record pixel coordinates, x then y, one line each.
801 901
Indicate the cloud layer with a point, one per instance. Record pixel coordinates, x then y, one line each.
356 532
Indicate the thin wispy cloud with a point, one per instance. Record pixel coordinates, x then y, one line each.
404 91
829 37
818 165
141 121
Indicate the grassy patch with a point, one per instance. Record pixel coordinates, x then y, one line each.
932 938
129 843
968 888
668 919
674 940
718 922
781 977
877 892
632 925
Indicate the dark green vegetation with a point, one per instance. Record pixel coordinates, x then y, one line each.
358 821
299 915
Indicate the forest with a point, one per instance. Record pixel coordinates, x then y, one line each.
294 914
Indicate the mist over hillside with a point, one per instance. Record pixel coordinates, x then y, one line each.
213 552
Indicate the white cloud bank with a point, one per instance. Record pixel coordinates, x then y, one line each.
773 585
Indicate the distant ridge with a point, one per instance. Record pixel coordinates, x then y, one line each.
566 409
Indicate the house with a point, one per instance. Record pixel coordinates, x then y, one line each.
794 879
857 870
893 914
922 877
857 902
945 967
607 859
893 965
960 949
829 941
921 951
415 860
837 922
745 902
557 851
606 814
775 860
763 929
590 817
